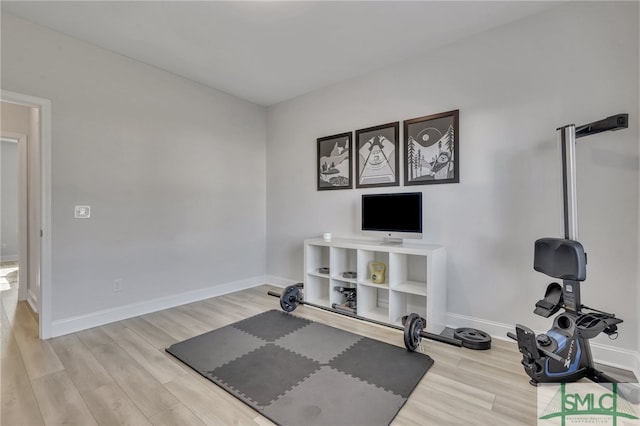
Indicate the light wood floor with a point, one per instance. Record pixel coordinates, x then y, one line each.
120 374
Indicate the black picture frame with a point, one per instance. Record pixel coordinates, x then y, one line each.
377 156
334 162
432 149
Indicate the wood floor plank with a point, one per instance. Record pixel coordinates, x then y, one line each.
83 368
524 411
455 389
94 337
147 393
60 402
228 313
157 362
203 314
518 389
207 404
8 304
38 356
176 415
450 409
164 321
18 405
149 332
263 421
179 316
111 406
8 344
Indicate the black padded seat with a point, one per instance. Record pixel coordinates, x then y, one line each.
560 258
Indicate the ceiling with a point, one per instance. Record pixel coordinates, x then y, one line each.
268 52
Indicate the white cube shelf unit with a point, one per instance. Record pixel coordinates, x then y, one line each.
415 280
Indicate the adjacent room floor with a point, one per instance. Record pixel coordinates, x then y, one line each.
8 275
119 373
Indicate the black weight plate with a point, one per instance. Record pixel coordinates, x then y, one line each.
473 338
290 298
413 327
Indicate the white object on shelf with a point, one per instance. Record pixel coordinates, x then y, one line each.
415 279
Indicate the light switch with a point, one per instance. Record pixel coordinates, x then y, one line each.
82 212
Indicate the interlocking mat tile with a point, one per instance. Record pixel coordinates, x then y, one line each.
299 372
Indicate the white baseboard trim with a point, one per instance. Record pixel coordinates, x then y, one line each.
637 366
616 357
495 329
280 282
95 319
603 354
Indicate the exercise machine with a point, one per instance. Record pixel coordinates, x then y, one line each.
563 353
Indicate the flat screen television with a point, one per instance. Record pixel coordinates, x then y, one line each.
393 216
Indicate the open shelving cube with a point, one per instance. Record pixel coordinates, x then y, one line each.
373 303
316 290
316 257
336 296
401 304
365 257
343 260
409 273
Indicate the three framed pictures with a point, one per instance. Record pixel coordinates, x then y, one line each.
431 154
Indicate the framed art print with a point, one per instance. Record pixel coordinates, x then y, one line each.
334 162
431 147
377 156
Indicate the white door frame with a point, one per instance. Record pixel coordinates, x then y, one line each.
46 284
23 238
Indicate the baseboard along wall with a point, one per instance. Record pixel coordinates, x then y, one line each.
95 319
604 354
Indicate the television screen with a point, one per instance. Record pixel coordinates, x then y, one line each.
396 215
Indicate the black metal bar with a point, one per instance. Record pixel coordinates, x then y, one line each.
568 136
598 376
441 338
599 311
615 122
431 336
565 183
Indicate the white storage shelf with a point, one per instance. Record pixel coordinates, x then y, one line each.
414 280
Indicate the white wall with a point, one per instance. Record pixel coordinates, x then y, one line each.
174 173
513 86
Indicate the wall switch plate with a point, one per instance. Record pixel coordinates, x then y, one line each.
82 212
117 285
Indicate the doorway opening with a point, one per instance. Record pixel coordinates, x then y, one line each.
25 257
12 210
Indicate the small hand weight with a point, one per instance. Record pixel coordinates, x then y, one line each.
377 271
